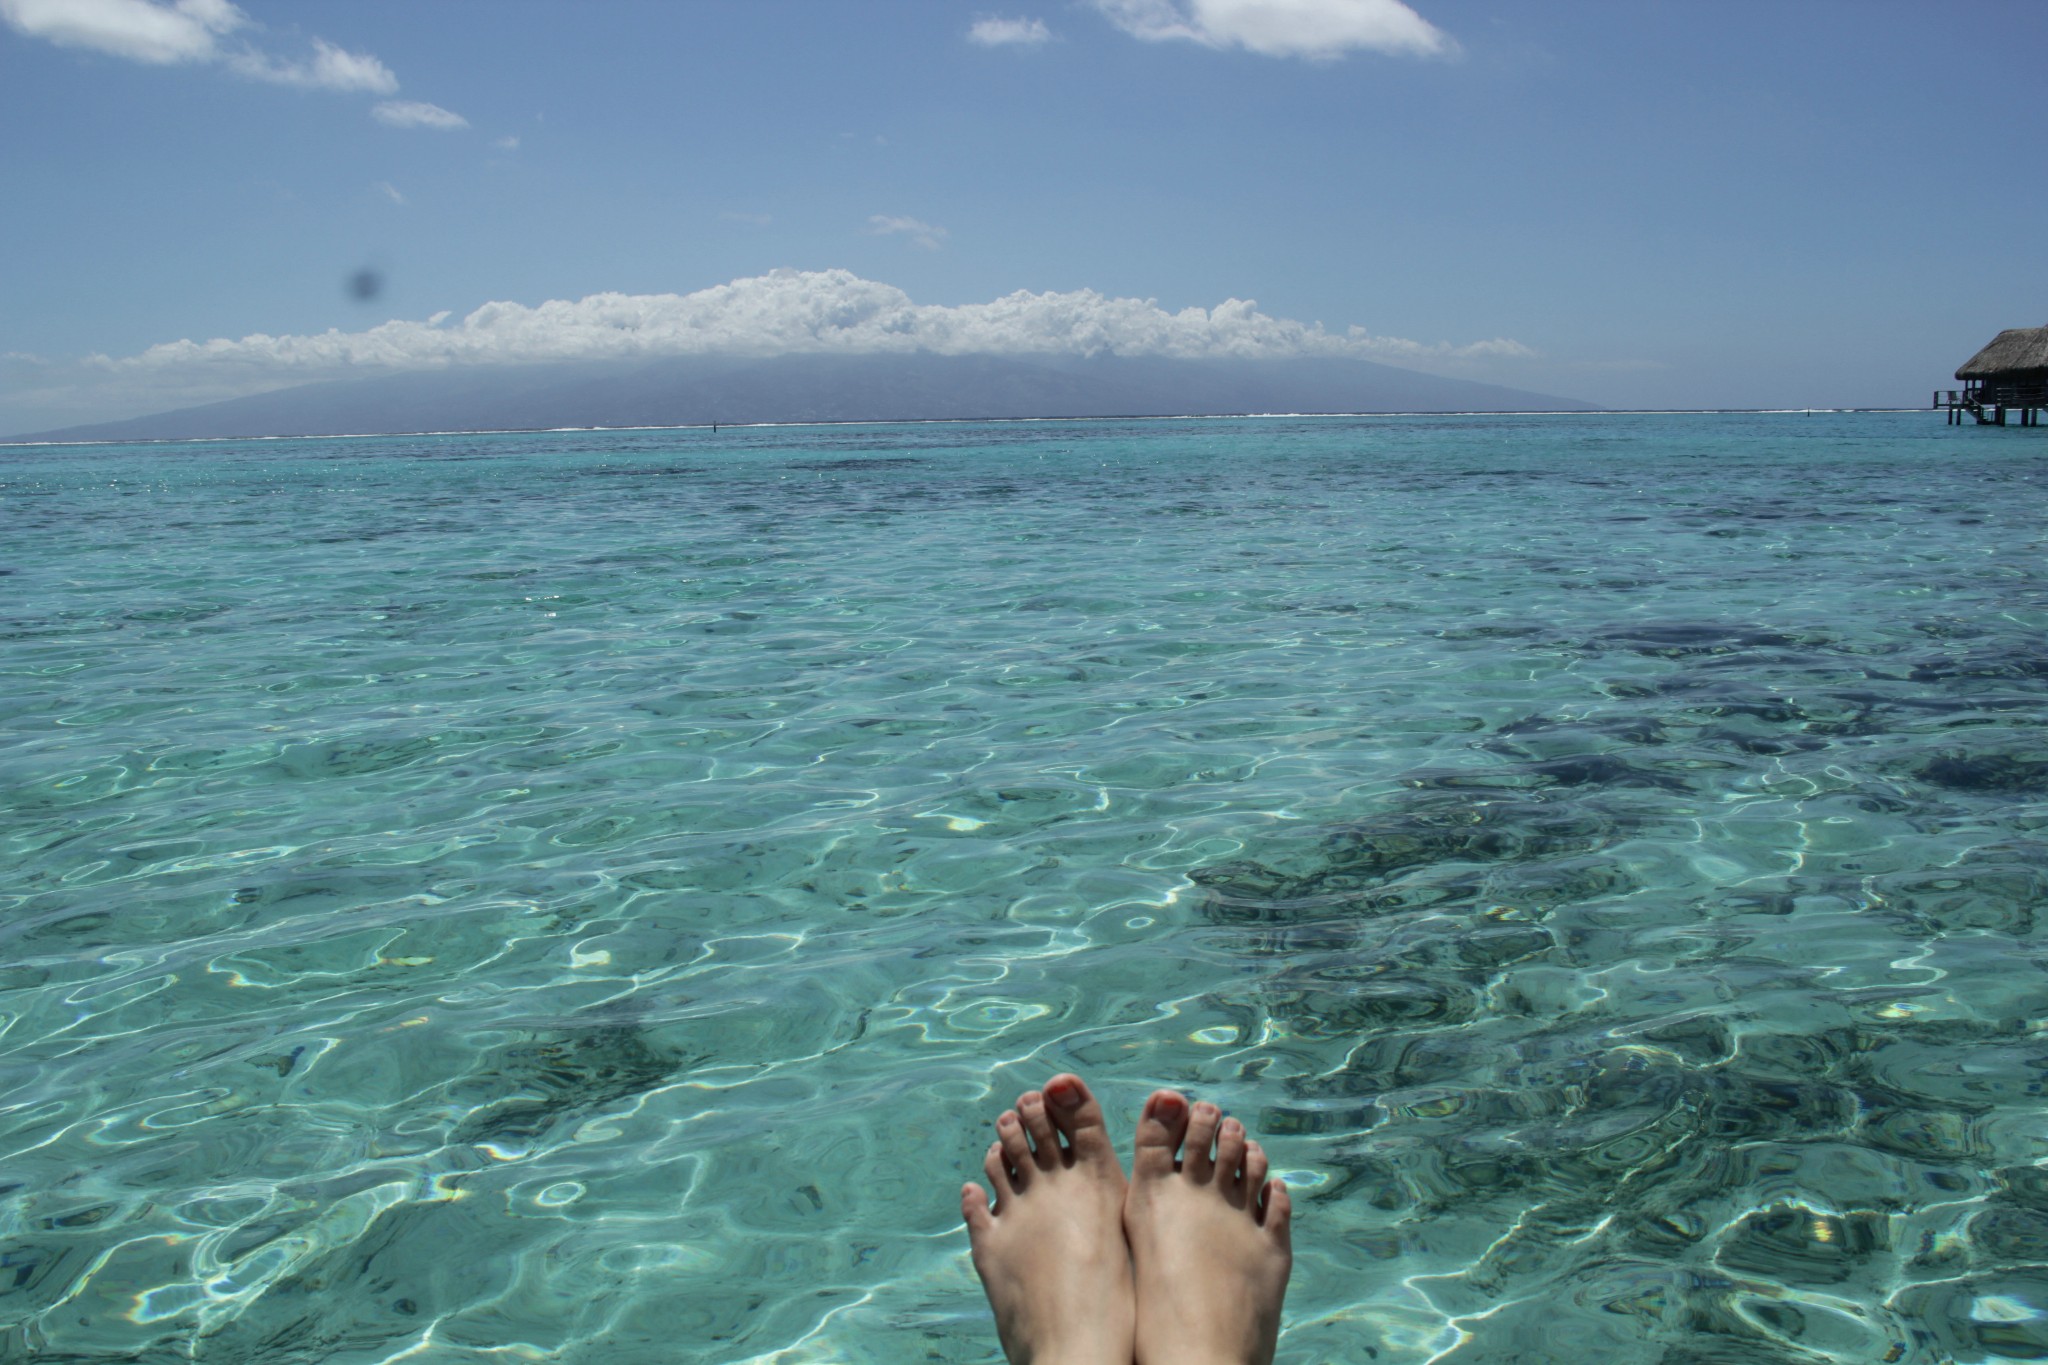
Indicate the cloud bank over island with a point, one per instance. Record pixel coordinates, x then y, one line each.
791 312
784 312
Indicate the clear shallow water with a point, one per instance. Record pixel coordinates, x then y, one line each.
582 896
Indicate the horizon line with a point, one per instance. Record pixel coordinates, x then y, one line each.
14 444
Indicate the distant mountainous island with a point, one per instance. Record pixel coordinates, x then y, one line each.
696 390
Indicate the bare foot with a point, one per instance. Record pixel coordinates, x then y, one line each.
1052 1256
1208 1237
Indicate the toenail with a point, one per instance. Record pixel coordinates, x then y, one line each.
1007 1121
1232 1127
1064 1093
1167 1108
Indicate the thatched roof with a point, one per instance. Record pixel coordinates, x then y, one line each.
2016 348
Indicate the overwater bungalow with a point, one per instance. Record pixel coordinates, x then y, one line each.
2011 374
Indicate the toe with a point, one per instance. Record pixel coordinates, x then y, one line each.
1279 1213
1160 1130
1254 1173
998 1170
1078 1116
1045 1142
1230 1152
1197 1161
1016 1151
974 1209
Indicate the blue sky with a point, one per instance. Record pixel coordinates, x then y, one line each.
1817 203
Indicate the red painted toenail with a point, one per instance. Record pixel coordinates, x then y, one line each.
1167 1108
1064 1093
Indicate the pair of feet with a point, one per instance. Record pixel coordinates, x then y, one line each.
1184 1262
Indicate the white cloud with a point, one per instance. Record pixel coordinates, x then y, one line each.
189 31
389 191
782 312
923 233
332 68
994 32
508 143
1316 29
140 30
417 114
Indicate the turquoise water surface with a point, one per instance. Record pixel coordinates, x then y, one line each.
582 896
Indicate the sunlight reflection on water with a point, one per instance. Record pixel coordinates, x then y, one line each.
584 894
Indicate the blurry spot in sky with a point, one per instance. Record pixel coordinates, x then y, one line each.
365 285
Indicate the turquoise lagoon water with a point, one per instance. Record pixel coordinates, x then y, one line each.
582 896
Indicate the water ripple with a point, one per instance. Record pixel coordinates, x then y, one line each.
580 894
